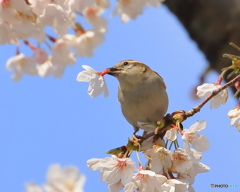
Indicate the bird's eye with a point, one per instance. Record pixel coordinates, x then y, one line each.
125 63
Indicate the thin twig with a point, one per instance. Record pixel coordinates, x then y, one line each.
196 109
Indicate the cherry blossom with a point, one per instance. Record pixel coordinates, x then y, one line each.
186 164
115 187
46 69
10 9
97 83
206 90
32 187
54 15
181 161
7 35
198 141
161 159
38 6
78 5
40 55
172 133
113 170
196 168
25 19
67 179
172 185
39 35
61 56
21 64
234 115
104 4
25 29
145 180
87 42
92 15
129 9
19 17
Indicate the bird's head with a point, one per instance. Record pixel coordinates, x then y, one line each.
129 71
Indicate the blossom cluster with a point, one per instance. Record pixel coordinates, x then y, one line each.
165 170
60 179
25 19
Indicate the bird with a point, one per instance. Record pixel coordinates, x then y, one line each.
141 92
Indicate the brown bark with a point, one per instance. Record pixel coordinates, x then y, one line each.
213 24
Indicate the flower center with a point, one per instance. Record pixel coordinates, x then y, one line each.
91 11
69 186
142 177
121 165
190 136
5 3
178 157
162 156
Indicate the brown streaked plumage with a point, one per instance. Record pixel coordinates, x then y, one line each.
141 92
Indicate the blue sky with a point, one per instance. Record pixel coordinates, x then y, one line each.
47 121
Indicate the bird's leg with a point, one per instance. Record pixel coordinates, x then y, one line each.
136 130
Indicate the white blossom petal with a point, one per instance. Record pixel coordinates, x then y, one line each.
88 68
113 169
97 84
64 179
116 187
85 76
32 187
196 127
206 90
171 134
234 114
200 143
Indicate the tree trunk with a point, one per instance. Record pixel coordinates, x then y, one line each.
213 24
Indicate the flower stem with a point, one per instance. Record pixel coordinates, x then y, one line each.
170 145
175 145
138 158
166 144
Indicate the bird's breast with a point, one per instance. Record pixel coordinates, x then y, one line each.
146 104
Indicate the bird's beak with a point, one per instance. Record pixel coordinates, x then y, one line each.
114 71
